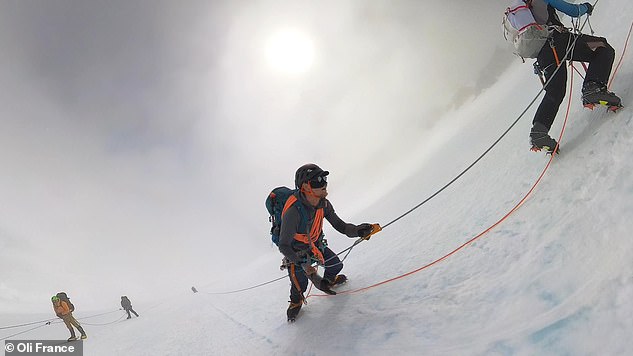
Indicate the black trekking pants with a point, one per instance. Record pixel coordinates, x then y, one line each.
594 50
70 321
128 312
299 280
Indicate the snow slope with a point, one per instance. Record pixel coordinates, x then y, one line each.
555 278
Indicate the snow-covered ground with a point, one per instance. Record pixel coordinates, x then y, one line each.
554 278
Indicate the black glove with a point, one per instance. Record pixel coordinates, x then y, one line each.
364 230
325 287
308 269
589 8
320 283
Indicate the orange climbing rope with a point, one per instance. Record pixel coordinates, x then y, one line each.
626 44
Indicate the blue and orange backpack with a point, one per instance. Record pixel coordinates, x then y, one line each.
275 203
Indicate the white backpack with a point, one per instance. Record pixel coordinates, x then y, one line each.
520 28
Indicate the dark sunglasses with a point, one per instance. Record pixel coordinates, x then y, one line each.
318 182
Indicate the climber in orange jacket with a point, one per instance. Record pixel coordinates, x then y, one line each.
64 312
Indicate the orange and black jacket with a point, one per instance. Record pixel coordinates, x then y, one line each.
61 309
302 228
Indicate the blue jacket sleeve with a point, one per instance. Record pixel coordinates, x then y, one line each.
573 10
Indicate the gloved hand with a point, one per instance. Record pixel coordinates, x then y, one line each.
325 287
589 8
308 269
364 230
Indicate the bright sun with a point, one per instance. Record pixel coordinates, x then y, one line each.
290 51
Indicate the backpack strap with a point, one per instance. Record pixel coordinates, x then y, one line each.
290 202
315 230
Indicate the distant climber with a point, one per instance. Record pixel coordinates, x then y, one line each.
127 305
64 310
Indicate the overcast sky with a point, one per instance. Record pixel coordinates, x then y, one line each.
140 138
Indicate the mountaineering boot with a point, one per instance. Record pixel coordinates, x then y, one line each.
339 279
84 337
293 311
594 93
540 140
72 338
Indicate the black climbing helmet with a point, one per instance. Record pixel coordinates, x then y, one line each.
307 172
